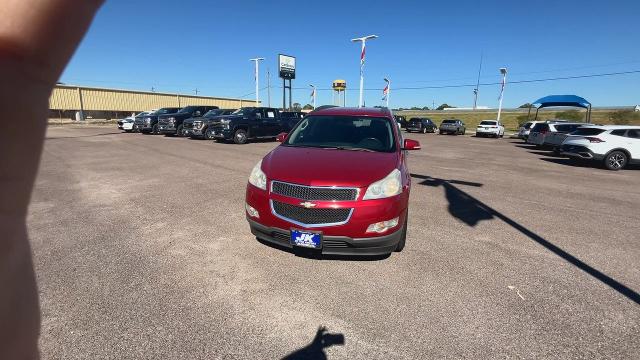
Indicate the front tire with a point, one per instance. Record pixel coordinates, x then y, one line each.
240 137
616 160
424 130
208 134
154 130
180 131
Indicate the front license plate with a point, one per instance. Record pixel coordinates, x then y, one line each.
306 239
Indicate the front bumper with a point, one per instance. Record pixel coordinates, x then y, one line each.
580 152
347 238
411 128
222 133
331 245
167 129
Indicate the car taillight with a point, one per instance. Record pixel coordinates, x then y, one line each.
594 139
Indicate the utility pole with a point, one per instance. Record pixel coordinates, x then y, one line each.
477 89
268 88
196 91
503 71
257 76
363 41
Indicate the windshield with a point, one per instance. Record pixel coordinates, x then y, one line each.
214 112
344 132
188 109
487 122
166 111
587 131
242 111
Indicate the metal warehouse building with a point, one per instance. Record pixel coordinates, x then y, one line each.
68 100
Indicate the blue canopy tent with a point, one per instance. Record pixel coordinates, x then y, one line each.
561 100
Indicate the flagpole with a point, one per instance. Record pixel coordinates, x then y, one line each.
503 71
363 40
313 95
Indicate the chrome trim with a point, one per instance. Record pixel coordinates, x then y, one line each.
273 212
315 187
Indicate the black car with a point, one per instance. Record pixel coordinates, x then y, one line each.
148 124
423 125
290 119
402 120
244 124
171 124
196 127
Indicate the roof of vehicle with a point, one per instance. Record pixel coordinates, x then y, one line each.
562 100
350 111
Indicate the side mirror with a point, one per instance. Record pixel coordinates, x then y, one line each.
411 145
281 137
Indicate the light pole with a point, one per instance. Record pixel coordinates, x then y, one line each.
313 95
387 91
256 74
503 71
363 40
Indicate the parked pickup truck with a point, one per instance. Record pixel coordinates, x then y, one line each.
148 124
244 124
196 127
452 126
290 119
171 124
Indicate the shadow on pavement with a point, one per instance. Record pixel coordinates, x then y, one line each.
315 350
82 136
471 211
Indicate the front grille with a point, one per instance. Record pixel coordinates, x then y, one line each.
310 217
313 193
187 125
163 122
330 243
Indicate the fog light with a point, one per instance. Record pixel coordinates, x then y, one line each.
252 212
382 226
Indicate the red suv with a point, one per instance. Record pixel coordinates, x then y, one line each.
338 183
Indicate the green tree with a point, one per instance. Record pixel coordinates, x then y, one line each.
425 108
444 106
297 107
307 107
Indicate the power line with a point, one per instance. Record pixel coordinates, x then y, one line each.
498 83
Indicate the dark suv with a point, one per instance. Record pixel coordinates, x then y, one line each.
171 124
401 120
148 124
244 124
289 119
423 125
196 127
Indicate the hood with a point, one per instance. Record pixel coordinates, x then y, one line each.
225 117
328 167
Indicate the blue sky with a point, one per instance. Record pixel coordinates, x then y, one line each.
178 46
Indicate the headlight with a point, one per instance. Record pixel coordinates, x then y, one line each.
390 186
257 177
147 121
225 123
171 119
197 124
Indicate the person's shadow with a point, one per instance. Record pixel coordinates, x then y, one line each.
315 350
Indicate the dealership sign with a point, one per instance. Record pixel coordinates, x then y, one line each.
287 66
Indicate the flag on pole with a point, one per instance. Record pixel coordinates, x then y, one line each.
385 91
362 58
313 93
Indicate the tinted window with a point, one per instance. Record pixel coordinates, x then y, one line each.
166 111
633 133
540 127
527 126
344 132
619 132
487 123
448 121
587 131
188 109
567 128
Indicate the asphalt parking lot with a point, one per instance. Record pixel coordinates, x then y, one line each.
142 250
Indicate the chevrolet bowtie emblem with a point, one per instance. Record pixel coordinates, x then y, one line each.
308 204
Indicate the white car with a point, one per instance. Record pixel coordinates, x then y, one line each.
525 129
613 145
490 128
126 124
